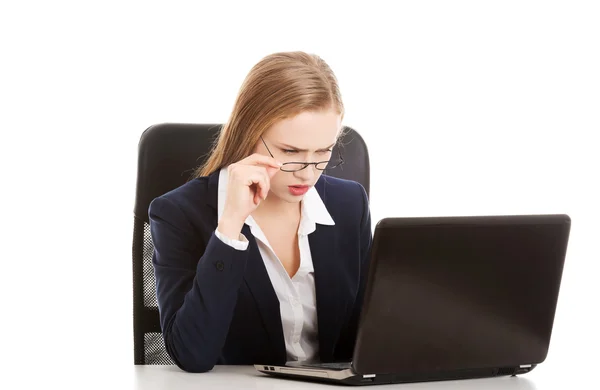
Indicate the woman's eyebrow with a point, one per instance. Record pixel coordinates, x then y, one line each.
304 150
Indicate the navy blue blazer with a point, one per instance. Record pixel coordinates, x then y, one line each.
217 304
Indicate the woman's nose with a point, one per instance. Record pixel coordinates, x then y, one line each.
306 174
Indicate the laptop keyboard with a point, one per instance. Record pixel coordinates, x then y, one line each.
331 366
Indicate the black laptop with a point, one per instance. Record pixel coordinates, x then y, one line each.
452 298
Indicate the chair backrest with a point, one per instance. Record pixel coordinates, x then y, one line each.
167 156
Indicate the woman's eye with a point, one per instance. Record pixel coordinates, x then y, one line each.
294 151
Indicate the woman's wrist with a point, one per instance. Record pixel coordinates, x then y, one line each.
230 227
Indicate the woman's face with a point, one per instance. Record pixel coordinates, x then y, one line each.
307 137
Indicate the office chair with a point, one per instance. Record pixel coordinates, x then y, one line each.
167 156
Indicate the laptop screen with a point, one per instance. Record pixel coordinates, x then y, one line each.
459 293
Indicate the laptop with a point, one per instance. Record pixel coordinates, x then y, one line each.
452 298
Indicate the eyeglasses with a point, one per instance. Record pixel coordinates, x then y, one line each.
298 166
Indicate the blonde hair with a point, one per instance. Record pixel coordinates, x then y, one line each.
280 86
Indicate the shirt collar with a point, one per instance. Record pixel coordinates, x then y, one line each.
313 209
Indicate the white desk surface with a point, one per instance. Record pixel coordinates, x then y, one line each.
246 377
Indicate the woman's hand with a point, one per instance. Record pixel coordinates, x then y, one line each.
249 184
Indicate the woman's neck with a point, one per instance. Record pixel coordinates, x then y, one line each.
276 207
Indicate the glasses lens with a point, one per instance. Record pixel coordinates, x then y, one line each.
329 164
292 167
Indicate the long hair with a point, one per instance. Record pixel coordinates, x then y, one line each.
280 86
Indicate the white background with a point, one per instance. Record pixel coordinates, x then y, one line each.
467 107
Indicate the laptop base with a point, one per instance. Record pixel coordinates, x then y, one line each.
349 377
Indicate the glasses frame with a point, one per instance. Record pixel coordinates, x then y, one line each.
304 163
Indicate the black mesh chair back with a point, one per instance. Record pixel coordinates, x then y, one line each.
167 156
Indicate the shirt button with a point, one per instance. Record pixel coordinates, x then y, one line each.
220 265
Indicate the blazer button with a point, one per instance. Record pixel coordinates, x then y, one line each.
220 265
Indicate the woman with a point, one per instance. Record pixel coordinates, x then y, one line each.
260 258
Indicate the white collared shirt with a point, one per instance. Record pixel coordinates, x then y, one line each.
297 299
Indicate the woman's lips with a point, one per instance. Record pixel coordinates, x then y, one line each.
298 190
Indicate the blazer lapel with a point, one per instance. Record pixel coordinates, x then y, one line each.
213 192
330 298
258 282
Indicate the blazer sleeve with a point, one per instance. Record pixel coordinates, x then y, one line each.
196 296
345 346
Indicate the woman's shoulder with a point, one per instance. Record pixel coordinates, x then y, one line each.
338 186
190 191
342 197
190 198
